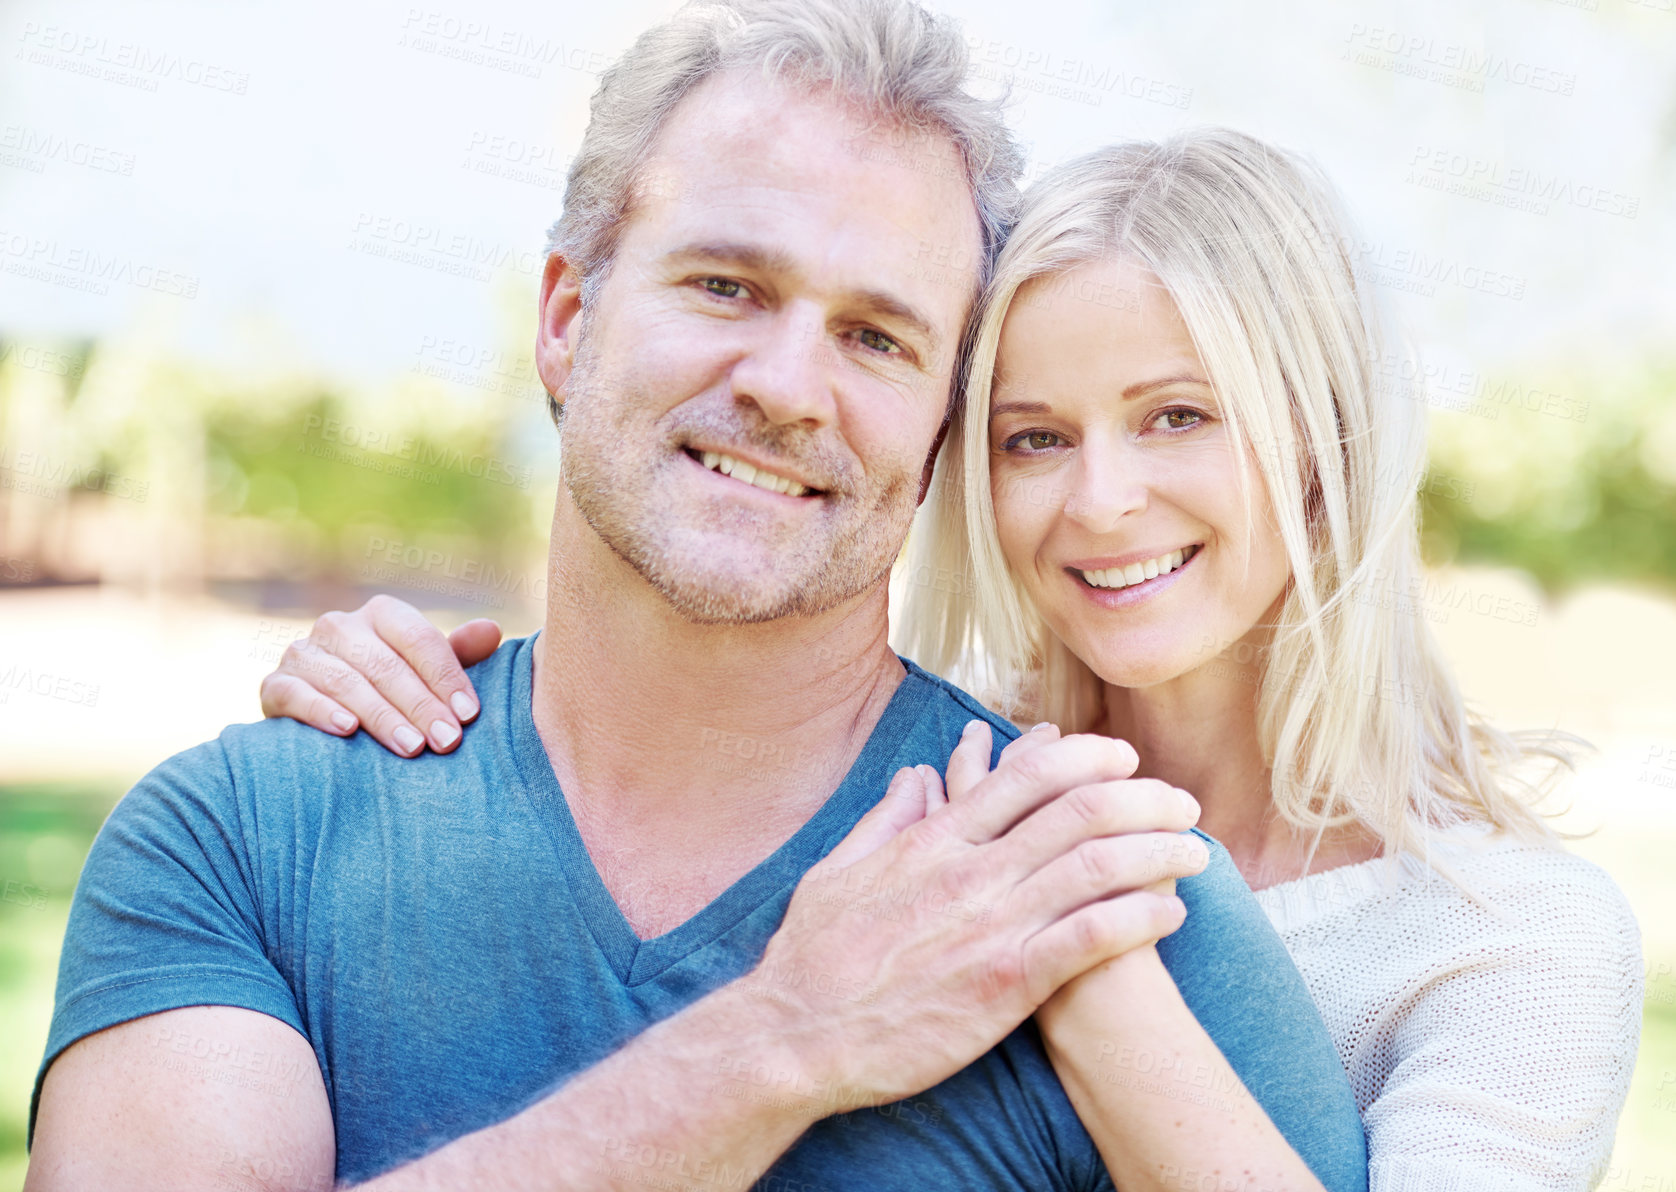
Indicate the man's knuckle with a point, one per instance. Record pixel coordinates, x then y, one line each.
1092 932
1088 804
1098 864
1035 767
385 721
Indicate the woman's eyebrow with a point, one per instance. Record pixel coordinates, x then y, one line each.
1140 388
1019 407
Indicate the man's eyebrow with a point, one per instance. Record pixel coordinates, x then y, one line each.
769 260
752 256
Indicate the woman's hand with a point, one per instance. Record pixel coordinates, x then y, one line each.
384 668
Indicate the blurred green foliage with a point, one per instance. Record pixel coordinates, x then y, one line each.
1573 480
1567 473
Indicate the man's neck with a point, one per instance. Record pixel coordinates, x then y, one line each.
698 743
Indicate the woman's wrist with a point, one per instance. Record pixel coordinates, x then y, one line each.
1104 1003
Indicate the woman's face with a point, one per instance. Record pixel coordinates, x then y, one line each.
1116 480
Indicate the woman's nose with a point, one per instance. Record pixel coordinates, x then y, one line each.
1107 485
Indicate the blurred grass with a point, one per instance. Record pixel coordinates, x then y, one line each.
46 831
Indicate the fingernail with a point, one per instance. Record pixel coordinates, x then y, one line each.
444 734
1044 724
344 721
1189 802
464 706
931 778
407 740
971 727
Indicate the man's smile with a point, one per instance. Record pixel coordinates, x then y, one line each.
755 475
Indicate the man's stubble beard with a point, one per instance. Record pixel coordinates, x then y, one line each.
612 490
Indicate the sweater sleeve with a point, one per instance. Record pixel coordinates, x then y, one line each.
1513 1056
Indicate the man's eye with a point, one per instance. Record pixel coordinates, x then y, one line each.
1178 419
721 287
878 341
1033 440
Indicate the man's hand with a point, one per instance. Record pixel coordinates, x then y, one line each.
927 936
384 668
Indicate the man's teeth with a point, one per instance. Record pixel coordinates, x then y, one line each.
1135 573
740 470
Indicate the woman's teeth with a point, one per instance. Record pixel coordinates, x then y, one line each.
739 470
1135 573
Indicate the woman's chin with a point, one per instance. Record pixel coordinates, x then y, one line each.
1137 669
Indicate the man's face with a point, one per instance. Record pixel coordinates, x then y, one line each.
780 304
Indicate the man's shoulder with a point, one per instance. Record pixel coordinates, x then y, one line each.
945 705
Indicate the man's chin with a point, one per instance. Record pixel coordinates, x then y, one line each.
726 600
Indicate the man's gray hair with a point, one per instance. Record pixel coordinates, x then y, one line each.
894 57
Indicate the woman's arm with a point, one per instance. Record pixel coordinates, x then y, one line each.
1162 1104
386 669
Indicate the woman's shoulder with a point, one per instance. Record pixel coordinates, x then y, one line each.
1535 880
1465 892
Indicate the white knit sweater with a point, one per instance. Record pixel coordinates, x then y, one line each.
1489 1046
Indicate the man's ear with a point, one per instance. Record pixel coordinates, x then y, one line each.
558 321
931 459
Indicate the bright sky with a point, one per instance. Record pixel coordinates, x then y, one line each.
256 157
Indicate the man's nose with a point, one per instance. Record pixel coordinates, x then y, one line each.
1108 483
789 369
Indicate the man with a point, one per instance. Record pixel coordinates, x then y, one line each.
570 954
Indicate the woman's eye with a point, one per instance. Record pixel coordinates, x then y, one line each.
1179 419
878 341
1033 440
721 287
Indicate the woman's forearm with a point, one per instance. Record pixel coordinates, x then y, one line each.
1162 1105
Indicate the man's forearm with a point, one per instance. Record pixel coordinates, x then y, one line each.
709 1097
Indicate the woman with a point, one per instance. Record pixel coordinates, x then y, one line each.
1187 510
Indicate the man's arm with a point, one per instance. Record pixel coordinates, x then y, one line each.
682 1099
162 1103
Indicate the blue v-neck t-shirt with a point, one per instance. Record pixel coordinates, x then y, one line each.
437 931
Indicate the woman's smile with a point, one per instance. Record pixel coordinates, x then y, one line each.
1116 583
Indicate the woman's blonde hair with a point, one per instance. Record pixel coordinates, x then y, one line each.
1359 718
